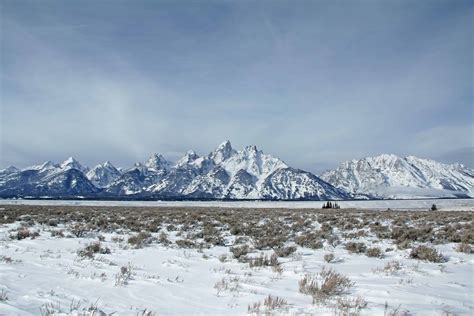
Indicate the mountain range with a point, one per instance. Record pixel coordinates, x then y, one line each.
226 173
393 177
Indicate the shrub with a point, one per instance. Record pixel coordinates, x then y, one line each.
124 275
427 254
93 248
324 285
163 239
186 243
356 247
270 304
465 248
374 252
140 239
309 240
267 242
405 244
79 230
21 233
263 261
57 233
231 284
3 296
240 252
329 257
391 267
285 251
348 306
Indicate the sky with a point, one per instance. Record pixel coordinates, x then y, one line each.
314 83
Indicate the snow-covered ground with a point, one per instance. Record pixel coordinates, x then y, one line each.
47 274
444 204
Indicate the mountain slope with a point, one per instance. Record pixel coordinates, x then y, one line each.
390 176
245 174
141 176
103 175
48 179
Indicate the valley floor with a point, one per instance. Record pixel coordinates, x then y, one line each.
182 261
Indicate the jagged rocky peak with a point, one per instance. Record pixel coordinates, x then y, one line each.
71 163
105 166
223 152
252 150
158 162
108 164
103 174
188 158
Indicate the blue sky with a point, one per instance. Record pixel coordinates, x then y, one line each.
312 82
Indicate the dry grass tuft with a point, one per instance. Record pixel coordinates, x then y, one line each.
270 304
324 285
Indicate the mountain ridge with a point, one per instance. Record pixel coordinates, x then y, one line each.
246 174
390 176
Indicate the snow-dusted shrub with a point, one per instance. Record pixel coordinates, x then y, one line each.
309 240
349 306
465 248
79 230
263 261
268 242
374 252
57 233
186 243
391 267
3 296
227 284
21 233
140 239
427 254
333 240
91 249
324 285
405 244
163 239
125 274
240 252
356 247
50 309
270 304
53 222
284 251
329 257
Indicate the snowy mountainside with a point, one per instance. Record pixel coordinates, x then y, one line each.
225 173
390 176
249 173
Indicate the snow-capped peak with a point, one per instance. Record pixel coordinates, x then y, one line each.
103 174
158 162
252 150
253 161
223 152
188 158
71 163
108 164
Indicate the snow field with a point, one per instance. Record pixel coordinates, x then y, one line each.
48 273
